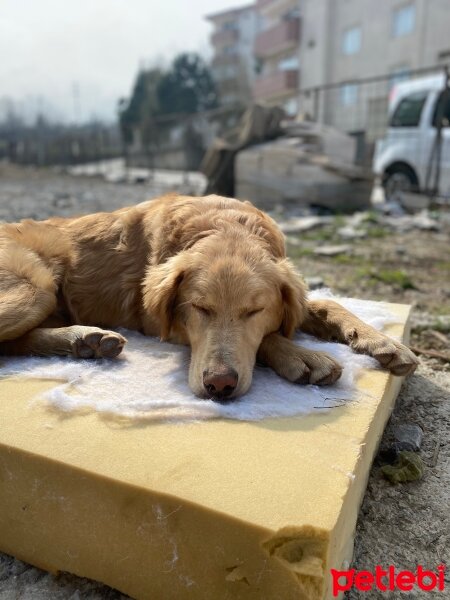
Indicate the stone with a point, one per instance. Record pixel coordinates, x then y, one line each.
408 436
332 250
314 283
350 233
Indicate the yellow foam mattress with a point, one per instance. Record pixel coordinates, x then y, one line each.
208 510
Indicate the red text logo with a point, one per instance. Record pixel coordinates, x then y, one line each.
388 580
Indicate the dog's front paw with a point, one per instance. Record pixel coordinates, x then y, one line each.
392 355
91 342
306 366
396 357
324 370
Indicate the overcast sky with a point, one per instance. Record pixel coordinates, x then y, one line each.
75 58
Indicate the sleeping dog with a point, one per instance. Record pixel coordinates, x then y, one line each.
209 272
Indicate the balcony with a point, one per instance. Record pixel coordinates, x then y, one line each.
278 39
225 37
220 59
276 8
275 85
262 3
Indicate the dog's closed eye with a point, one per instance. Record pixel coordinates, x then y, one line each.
204 310
250 313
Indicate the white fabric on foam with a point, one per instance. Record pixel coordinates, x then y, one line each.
149 380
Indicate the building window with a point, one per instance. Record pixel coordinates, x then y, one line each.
229 26
289 63
351 41
229 50
349 94
407 113
404 20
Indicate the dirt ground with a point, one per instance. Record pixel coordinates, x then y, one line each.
403 525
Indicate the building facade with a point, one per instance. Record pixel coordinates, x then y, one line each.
233 62
277 52
274 50
348 40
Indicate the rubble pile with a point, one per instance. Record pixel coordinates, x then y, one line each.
311 165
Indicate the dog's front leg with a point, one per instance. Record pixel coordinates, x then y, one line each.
329 320
77 340
297 364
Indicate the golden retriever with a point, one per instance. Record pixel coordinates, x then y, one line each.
210 272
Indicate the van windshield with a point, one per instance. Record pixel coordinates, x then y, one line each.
407 113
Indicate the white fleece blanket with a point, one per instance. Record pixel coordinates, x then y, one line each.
149 380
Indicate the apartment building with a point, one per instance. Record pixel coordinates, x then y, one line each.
276 51
233 62
347 40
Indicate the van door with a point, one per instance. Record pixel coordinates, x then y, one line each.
406 132
443 108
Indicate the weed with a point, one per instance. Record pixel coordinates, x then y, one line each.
397 278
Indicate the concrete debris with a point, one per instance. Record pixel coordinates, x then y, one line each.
350 233
332 250
115 171
360 218
424 222
402 222
322 139
258 123
412 202
407 222
299 224
311 165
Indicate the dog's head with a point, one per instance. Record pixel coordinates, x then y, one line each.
223 297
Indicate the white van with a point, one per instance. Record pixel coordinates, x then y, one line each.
402 158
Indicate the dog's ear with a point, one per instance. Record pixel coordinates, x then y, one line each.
160 293
293 294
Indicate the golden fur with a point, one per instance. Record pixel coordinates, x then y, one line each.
209 272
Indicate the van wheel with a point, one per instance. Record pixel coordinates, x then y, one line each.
398 179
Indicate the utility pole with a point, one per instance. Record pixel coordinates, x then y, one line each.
76 96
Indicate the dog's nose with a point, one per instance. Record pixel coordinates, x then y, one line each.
220 383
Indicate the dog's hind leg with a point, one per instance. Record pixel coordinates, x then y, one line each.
330 321
77 340
27 291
